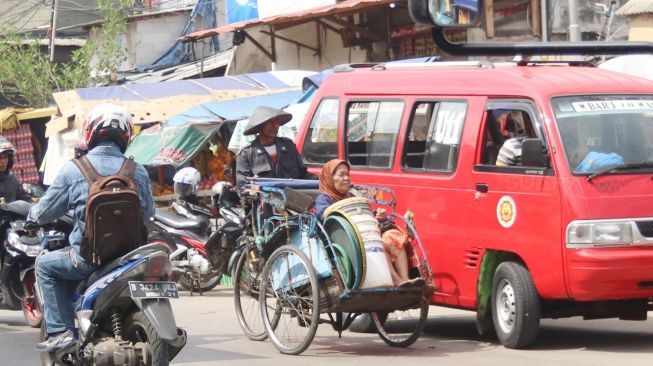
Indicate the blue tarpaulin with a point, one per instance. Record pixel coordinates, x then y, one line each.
155 102
241 10
234 109
202 17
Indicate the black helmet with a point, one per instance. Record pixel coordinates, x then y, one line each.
6 147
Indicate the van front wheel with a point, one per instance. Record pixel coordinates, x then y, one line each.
515 306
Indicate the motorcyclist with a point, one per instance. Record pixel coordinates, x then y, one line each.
10 187
107 132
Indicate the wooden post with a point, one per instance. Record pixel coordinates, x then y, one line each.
489 18
160 171
536 17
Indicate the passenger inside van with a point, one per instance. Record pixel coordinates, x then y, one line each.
515 126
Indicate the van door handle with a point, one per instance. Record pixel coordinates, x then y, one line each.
481 187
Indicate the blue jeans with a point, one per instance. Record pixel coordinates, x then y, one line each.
58 273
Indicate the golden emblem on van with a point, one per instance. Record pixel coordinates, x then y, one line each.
506 211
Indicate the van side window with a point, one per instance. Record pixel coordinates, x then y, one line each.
504 131
321 144
372 129
434 137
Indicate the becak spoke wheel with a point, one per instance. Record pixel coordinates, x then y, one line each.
401 328
247 284
289 300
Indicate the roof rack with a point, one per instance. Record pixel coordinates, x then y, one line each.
352 67
582 63
407 65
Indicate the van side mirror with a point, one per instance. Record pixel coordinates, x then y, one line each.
446 13
534 153
464 14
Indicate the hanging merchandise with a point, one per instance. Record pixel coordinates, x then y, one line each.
24 165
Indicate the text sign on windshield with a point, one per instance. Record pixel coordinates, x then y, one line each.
613 105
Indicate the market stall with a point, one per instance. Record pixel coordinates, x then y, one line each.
24 128
199 137
151 103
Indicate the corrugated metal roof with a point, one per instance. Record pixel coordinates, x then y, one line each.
347 6
634 7
184 71
78 42
130 18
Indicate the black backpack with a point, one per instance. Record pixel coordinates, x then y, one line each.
114 221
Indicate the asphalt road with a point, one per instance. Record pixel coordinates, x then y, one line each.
450 338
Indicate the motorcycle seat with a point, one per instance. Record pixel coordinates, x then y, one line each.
20 208
176 221
135 254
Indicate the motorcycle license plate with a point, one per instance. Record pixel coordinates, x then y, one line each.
153 290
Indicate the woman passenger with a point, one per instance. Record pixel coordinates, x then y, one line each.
335 184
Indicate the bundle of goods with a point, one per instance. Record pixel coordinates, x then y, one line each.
351 224
24 165
213 166
159 189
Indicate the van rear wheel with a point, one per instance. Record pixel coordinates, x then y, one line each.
515 306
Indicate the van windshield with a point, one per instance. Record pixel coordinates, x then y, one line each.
603 131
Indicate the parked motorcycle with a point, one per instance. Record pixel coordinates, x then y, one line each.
199 257
19 254
124 315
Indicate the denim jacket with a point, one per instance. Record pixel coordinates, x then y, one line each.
70 190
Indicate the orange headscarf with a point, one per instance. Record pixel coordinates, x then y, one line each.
327 186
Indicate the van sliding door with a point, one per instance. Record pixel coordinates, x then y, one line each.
516 208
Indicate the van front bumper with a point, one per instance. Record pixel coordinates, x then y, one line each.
597 274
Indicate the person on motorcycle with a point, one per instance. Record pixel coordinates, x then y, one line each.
10 187
107 132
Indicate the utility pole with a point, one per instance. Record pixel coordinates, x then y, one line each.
574 27
53 30
544 20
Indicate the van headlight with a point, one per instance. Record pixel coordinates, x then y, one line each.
582 234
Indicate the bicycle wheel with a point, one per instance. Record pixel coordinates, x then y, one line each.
290 301
247 282
401 328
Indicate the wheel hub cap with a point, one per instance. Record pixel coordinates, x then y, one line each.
505 305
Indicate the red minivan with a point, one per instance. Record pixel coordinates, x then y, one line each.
531 185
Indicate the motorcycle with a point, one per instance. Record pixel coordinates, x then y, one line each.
18 256
123 313
199 257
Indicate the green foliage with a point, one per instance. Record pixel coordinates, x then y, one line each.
28 78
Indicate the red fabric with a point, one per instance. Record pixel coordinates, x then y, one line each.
394 241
